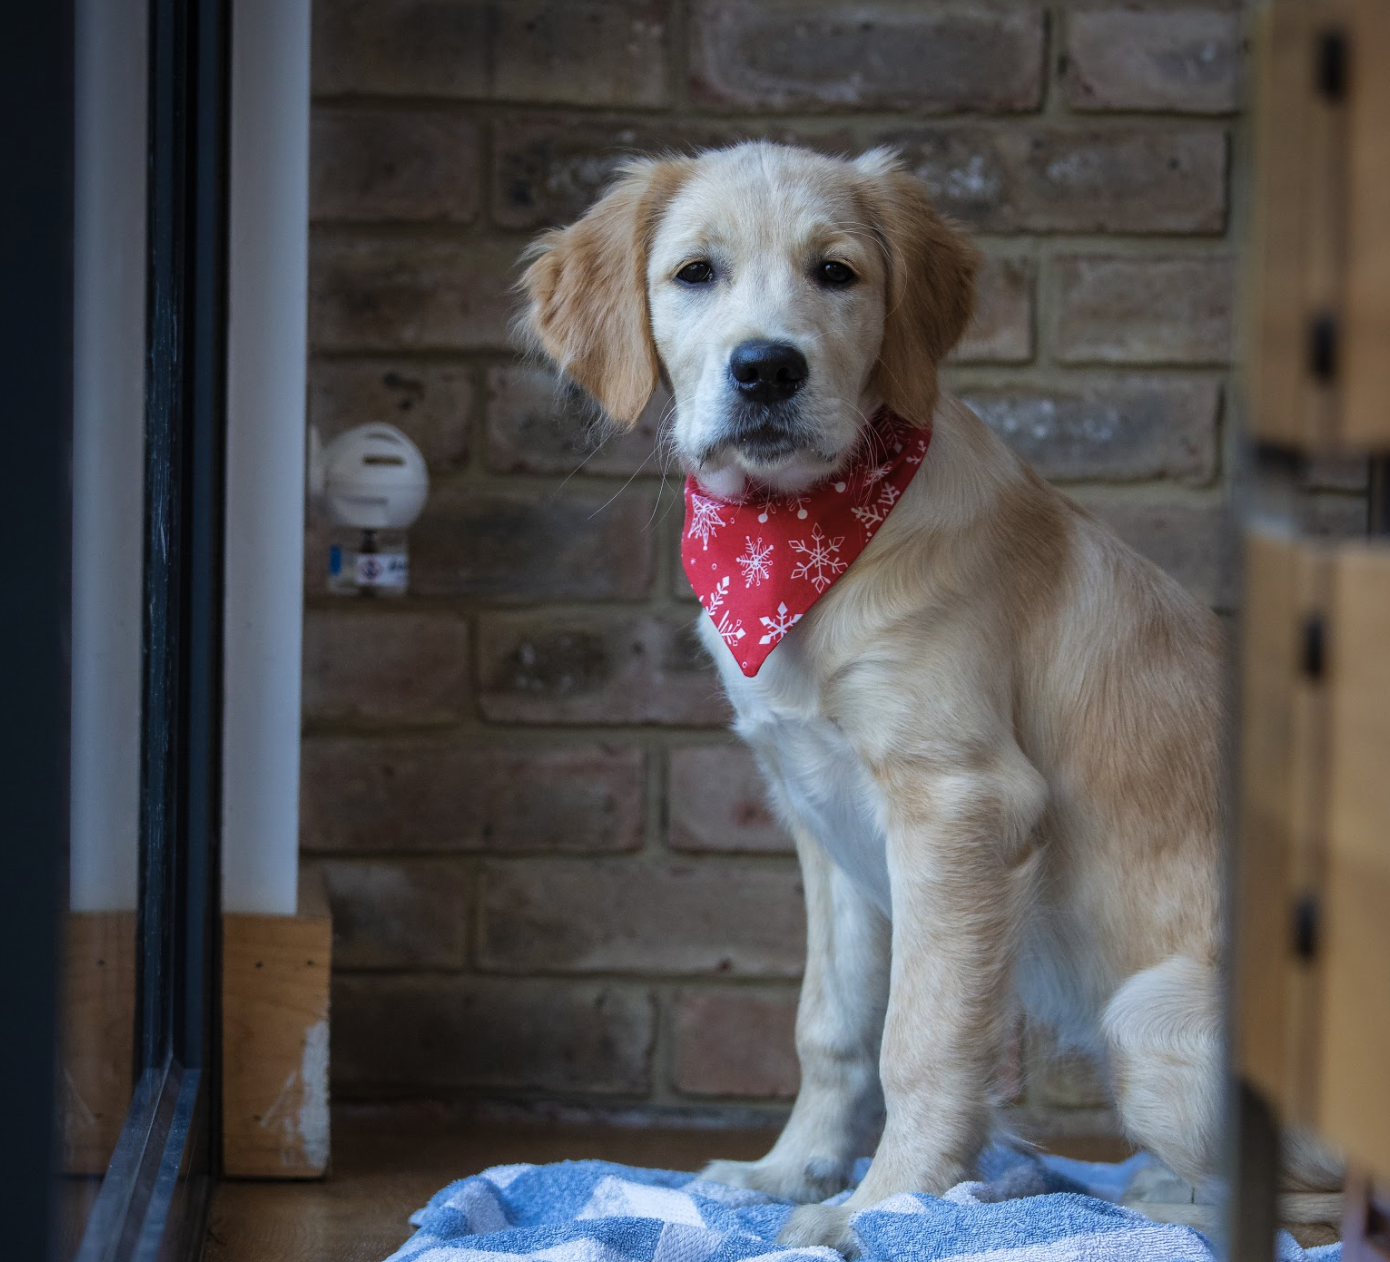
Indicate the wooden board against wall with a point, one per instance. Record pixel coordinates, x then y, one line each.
275 986
98 1035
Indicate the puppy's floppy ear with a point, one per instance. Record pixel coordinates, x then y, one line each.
587 286
931 270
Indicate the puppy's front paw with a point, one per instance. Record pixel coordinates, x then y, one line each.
810 1180
826 1226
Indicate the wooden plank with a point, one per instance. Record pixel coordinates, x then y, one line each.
1307 836
1324 260
275 988
1365 406
1354 1030
98 1035
1277 379
1281 766
1266 759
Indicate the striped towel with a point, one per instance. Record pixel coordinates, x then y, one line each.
1026 1208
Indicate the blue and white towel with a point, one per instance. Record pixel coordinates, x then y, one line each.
1027 1209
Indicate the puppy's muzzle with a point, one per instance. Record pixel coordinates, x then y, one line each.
767 372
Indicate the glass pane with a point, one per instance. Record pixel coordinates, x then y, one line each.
99 924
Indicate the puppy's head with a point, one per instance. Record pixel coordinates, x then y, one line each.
784 295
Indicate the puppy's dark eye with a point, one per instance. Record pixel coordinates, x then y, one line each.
834 273
697 273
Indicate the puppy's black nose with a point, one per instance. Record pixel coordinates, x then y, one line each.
767 372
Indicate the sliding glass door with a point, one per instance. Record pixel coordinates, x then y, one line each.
110 726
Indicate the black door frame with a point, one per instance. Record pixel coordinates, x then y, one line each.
36 258
154 1199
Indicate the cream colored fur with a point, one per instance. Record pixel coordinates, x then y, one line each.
995 739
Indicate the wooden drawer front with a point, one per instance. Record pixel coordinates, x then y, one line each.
1354 949
1320 375
1279 846
1365 413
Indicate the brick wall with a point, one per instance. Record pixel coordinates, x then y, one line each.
553 877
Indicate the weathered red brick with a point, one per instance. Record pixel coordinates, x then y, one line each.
407 1034
432 403
536 424
680 584
580 543
718 802
373 664
403 795
383 164
1188 59
370 293
1188 536
318 542
1041 177
596 668
732 1043
1115 429
436 48
632 916
397 913
937 59
1143 309
549 170
581 52
1002 330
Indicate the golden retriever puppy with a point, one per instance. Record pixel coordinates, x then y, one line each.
994 738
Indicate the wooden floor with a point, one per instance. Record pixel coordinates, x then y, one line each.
388 1161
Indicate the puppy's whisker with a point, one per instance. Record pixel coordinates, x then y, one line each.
664 436
598 448
621 489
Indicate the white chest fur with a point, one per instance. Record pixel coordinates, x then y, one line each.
815 775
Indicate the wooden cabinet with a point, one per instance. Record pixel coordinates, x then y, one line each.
1311 1036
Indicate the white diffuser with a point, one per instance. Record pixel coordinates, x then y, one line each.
371 481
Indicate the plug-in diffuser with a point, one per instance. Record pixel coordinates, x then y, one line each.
372 483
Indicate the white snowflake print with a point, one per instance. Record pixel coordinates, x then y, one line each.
754 562
872 516
716 596
774 503
820 562
918 453
704 519
732 631
877 474
779 624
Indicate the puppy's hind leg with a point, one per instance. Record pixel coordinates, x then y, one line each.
1163 1033
839 1026
1163 1030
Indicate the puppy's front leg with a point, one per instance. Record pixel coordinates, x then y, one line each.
961 863
839 1021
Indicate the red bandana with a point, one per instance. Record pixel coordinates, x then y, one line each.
759 564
